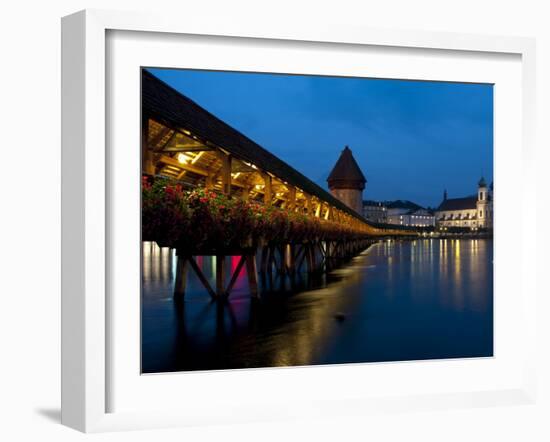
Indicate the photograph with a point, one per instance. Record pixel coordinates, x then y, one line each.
302 220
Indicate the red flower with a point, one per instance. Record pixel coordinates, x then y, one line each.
170 213
145 182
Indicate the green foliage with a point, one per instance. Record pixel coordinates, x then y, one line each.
201 220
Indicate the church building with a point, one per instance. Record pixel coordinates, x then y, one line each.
346 181
474 212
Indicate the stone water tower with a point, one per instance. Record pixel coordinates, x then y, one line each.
346 181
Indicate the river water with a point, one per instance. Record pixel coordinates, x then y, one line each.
404 300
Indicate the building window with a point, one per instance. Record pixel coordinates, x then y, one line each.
481 213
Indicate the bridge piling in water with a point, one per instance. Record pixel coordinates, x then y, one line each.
181 277
288 260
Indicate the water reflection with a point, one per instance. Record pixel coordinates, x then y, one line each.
398 301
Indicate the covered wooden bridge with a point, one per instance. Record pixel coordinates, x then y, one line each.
186 143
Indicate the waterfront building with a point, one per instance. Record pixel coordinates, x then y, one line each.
474 212
375 211
346 181
407 213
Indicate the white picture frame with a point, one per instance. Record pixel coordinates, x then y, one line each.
85 262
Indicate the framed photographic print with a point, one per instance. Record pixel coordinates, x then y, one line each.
264 222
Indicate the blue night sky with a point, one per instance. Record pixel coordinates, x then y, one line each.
411 139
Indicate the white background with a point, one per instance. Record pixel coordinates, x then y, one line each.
30 143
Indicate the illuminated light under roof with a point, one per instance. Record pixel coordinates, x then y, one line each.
182 158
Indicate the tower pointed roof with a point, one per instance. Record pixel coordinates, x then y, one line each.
482 182
346 172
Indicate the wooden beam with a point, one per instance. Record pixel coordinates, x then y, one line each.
161 146
225 172
192 168
147 163
291 200
268 191
181 277
235 274
158 138
209 184
220 275
252 273
201 276
181 140
239 166
189 167
187 148
309 205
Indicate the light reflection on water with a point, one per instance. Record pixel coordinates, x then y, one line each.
421 299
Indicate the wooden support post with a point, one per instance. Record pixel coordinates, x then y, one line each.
264 259
220 276
311 264
268 190
282 255
209 184
319 210
291 258
181 277
225 172
148 165
300 257
252 273
291 201
309 206
235 275
271 260
246 193
323 252
201 276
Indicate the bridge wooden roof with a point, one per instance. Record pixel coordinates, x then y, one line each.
168 106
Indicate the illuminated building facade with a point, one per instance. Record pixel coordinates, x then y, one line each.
407 213
474 212
375 211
